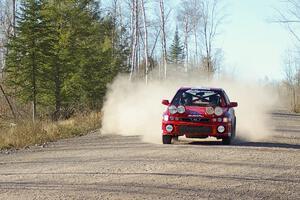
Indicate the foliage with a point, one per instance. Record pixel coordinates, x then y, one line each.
176 54
63 55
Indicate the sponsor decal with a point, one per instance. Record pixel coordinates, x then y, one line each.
194 114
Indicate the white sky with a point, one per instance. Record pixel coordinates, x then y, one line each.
254 47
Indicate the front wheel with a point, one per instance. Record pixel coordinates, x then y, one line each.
166 139
234 130
175 138
228 140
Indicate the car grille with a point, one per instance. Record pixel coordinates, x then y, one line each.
194 119
195 129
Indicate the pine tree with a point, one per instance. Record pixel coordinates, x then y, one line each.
86 54
63 55
57 14
25 58
176 54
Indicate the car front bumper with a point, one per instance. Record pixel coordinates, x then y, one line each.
197 130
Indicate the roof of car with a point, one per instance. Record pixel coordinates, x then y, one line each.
203 88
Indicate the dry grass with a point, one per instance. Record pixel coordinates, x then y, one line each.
27 133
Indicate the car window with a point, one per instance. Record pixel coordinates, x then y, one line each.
198 97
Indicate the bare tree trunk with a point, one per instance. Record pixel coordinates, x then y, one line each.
34 83
8 102
34 94
207 45
145 40
8 24
114 19
134 37
14 17
210 22
294 99
196 45
163 36
57 114
138 56
186 32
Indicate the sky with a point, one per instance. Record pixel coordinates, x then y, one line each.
254 47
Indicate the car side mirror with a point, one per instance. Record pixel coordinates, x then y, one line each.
165 102
233 104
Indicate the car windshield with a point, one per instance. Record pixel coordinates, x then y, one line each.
197 97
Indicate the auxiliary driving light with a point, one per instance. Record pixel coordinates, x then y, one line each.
218 111
181 109
221 129
210 110
172 109
169 128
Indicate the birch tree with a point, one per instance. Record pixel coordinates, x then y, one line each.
163 35
292 80
289 16
7 27
145 40
212 17
135 35
195 15
184 17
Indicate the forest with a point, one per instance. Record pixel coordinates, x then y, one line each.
58 56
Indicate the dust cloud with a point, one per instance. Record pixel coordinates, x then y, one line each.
134 108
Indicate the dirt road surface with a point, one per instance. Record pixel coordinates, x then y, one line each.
116 167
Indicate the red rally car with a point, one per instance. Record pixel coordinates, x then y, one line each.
199 113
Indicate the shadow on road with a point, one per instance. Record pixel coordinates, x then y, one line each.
249 144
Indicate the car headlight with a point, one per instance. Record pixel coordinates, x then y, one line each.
181 109
218 111
210 110
172 109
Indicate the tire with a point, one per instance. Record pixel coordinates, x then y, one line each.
166 139
226 140
234 130
175 138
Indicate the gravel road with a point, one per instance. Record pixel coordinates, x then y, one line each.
115 167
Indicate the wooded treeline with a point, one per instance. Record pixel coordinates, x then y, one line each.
289 16
61 54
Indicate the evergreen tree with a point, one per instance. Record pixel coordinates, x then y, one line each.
64 54
176 54
59 15
25 59
95 55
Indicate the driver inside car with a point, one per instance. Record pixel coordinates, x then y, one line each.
186 99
